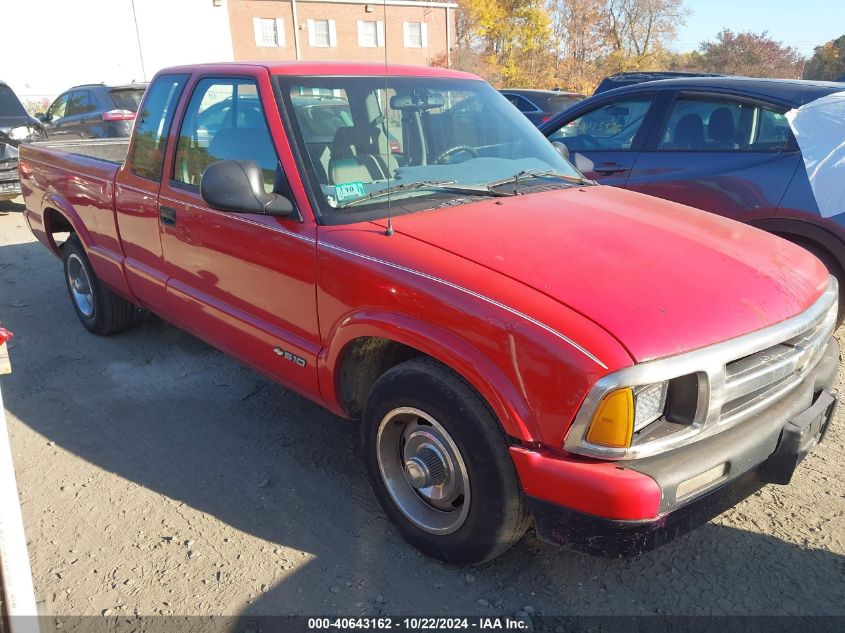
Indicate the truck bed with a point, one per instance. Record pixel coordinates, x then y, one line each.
78 178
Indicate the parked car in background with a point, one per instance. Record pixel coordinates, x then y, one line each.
93 111
541 105
516 342
16 126
721 144
619 80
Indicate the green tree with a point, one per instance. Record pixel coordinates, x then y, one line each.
828 61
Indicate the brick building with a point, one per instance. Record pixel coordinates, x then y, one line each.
408 31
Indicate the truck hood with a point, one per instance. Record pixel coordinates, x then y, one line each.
660 277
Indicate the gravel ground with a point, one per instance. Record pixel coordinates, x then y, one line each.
159 476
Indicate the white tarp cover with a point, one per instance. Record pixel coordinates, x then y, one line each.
819 128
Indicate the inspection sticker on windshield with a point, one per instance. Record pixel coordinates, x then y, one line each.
349 190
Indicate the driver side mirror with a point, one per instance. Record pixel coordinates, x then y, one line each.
41 116
238 186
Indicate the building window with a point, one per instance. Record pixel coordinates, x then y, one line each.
269 31
370 33
322 33
416 34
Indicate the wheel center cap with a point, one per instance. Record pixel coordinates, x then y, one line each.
425 469
415 473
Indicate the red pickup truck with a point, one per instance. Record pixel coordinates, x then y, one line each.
402 246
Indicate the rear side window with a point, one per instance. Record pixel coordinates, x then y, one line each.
522 104
224 121
81 102
725 125
127 99
146 154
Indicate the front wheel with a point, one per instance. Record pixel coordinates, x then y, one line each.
834 268
439 464
99 309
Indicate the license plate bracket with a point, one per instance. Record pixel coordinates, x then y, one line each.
798 437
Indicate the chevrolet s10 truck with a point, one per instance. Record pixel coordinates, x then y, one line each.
402 246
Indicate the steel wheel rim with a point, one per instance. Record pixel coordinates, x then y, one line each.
423 470
80 285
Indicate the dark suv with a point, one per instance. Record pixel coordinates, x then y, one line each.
93 111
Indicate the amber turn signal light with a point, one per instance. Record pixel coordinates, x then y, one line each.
613 423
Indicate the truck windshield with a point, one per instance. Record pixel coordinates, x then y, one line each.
426 140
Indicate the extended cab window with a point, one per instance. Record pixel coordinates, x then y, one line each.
224 121
612 126
146 155
715 124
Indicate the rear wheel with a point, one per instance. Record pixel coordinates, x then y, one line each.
99 309
439 464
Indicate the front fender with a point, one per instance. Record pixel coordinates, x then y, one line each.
501 394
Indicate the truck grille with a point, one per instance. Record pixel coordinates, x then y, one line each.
716 387
753 382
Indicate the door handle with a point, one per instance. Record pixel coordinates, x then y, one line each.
167 215
612 168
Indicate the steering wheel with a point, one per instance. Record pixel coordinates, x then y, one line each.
455 150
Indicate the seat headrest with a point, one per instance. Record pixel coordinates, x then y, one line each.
354 141
689 132
721 126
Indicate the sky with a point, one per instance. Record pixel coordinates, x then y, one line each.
95 40
801 24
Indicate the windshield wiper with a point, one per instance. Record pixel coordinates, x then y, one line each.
445 185
527 174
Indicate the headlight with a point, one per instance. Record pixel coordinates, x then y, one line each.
624 412
20 133
649 403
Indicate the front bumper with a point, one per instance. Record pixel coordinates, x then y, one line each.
631 507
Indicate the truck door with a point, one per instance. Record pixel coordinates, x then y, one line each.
244 282
136 193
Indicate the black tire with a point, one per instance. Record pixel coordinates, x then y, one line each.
102 311
497 515
833 267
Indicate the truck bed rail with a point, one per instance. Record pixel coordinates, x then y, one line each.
112 150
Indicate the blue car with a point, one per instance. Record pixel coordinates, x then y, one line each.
721 144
